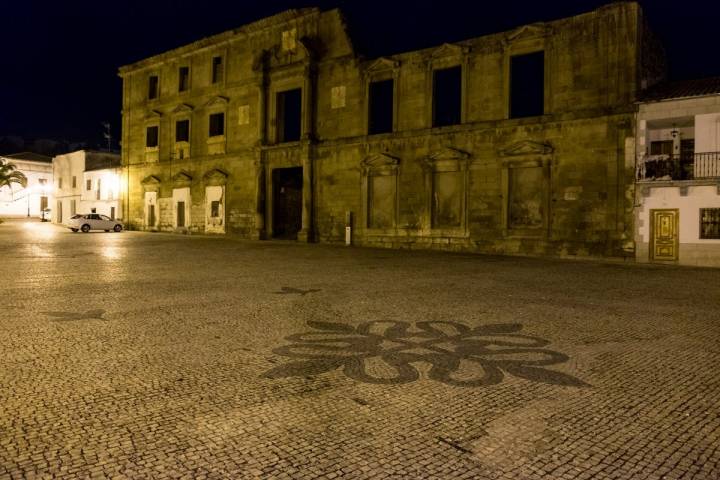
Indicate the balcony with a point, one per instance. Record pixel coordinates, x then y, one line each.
698 166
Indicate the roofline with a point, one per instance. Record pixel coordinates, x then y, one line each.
219 38
670 99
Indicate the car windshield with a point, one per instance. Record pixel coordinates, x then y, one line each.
77 216
104 217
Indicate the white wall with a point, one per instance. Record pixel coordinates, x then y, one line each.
703 196
707 132
65 167
15 201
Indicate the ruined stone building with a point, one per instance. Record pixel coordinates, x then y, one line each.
515 142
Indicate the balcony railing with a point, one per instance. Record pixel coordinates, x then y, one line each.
678 167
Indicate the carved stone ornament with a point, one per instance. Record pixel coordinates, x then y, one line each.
526 147
379 162
182 179
151 183
215 177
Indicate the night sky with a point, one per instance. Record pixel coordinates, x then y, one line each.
59 59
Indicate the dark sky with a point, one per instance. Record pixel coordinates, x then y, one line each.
59 59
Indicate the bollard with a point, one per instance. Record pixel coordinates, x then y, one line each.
348 228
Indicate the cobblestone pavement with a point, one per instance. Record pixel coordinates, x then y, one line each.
140 355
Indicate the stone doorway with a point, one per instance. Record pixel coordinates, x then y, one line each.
287 202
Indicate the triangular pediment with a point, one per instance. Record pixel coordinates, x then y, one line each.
448 50
382 64
527 147
218 101
182 108
182 177
378 160
535 30
150 180
448 153
153 115
215 177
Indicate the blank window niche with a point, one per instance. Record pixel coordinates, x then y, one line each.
447 96
217 69
380 107
216 124
88 184
152 87
289 115
183 79
527 85
382 194
525 202
710 223
182 131
151 137
447 199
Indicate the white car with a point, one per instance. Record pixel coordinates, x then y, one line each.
93 221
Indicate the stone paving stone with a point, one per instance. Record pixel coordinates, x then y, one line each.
603 370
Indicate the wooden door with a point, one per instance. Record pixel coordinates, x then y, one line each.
664 235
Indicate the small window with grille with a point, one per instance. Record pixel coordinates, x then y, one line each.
710 223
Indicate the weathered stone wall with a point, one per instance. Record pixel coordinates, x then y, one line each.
460 187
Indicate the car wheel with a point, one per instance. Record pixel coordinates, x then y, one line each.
85 228
118 227
74 230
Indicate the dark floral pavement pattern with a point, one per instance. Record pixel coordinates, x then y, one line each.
384 352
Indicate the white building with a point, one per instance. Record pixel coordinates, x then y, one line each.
87 182
677 199
30 201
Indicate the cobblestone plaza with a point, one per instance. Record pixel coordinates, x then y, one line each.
148 355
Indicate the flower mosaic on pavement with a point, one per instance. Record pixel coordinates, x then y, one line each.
387 352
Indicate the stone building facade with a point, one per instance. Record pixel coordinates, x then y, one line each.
520 142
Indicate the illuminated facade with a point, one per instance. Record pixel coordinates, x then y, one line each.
86 181
520 142
16 201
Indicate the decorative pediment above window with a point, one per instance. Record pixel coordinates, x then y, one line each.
526 147
447 159
182 179
306 49
153 115
182 108
215 177
450 50
219 102
382 64
151 183
379 163
528 32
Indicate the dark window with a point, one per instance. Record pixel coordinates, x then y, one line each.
380 107
97 192
217 69
527 85
88 184
447 96
664 147
43 203
182 131
153 87
60 182
215 208
217 124
74 182
183 79
710 223
151 137
289 113
42 181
